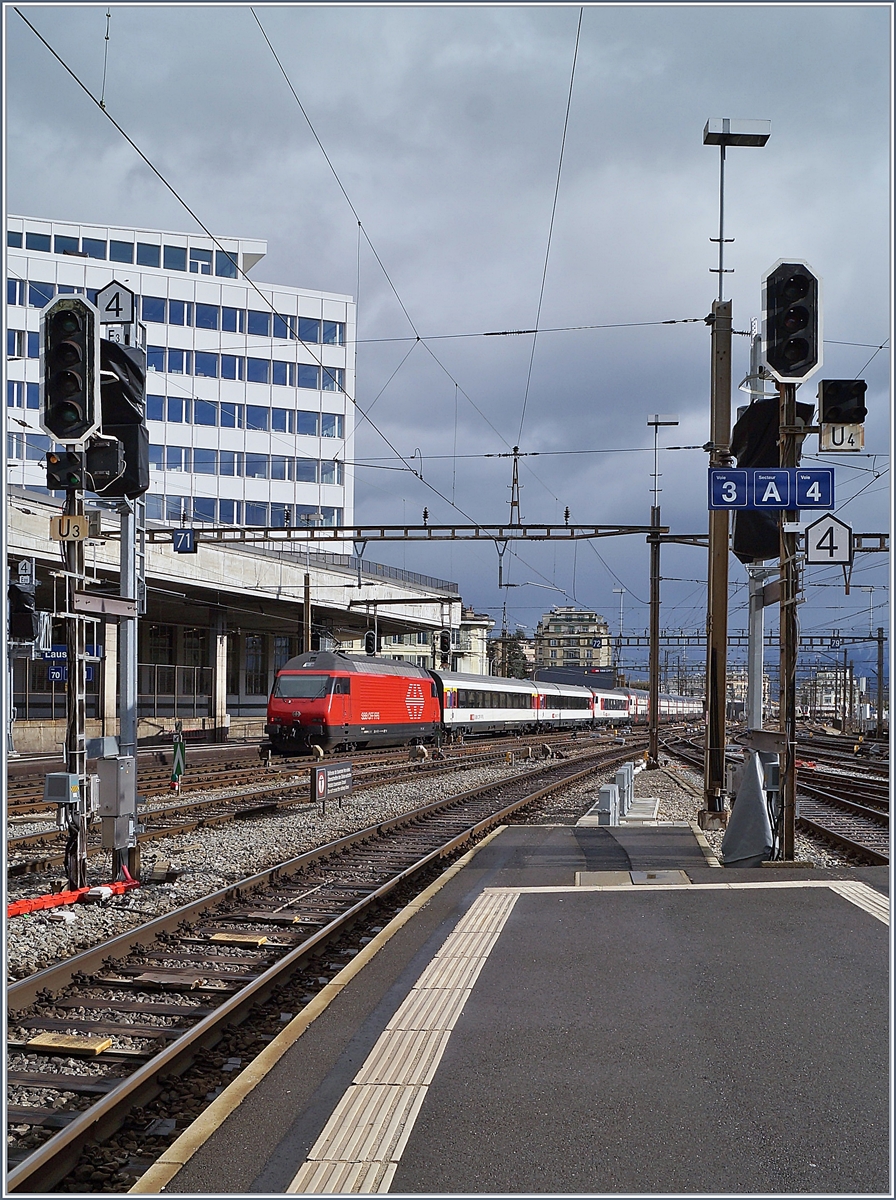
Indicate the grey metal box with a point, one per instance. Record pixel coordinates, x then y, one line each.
102 747
60 787
118 785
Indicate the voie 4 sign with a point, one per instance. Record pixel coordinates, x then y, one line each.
771 488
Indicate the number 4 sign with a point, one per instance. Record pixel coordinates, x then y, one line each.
829 540
116 304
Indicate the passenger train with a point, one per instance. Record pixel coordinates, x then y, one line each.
339 701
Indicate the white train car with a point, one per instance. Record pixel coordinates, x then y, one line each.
487 704
565 706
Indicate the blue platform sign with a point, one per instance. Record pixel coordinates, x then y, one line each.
814 487
771 488
184 541
728 489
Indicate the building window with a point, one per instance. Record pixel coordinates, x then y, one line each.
279 373
122 252
175 258
259 323
307 376
256 466
256 514
37 241
148 255
331 472
281 420
332 379
65 245
204 509
225 266
40 294
230 512
334 333
155 358
233 663
232 367
180 312
256 671
331 425
32 397
153 308
231 414
306 470
200 261
257 417
207 316
306 423
257 370
14 240
93 247
309 330
281 327
283 650
233 320
195 647
205 462
206 364
160 644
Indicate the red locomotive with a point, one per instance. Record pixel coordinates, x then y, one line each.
330 700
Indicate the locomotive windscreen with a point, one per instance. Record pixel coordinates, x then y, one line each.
302 687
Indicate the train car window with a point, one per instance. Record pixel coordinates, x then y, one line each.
342 686
302 687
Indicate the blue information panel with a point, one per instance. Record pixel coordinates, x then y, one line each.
184 541
771 488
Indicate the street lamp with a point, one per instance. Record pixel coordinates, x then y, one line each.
653 684
724 132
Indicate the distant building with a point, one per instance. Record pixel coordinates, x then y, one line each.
572 637
248 385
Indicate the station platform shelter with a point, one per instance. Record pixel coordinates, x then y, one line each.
217 625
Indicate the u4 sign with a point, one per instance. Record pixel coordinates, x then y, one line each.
771 488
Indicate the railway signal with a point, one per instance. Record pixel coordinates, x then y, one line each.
123 406
370 642
24 623
65 470
791 321
841 411
70 369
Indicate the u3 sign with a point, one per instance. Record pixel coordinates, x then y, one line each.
771 489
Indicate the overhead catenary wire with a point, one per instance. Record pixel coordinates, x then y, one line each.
547 253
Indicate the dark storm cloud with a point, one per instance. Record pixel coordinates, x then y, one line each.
444 125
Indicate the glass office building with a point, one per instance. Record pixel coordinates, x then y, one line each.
248 383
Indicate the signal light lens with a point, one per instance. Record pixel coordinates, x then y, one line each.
795 288
795 350
67 354
795 319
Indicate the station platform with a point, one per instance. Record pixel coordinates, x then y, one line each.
584 1010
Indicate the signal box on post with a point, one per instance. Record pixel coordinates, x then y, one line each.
70 370
791 321
841 412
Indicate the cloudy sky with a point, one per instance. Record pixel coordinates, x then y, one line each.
444 126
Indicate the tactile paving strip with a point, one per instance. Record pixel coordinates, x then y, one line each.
362 1143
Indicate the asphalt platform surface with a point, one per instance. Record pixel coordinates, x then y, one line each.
690 1039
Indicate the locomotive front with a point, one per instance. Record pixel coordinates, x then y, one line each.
306 708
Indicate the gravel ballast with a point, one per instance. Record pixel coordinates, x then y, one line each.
210 859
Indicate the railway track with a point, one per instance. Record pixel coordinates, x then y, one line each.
44 850
163 998
849 811
25 793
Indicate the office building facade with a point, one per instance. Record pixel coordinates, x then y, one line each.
248 384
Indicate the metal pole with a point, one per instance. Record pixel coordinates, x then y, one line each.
880 682
789 634
75 688
717 591
128 852
721 220
306 641
843 696
653 705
